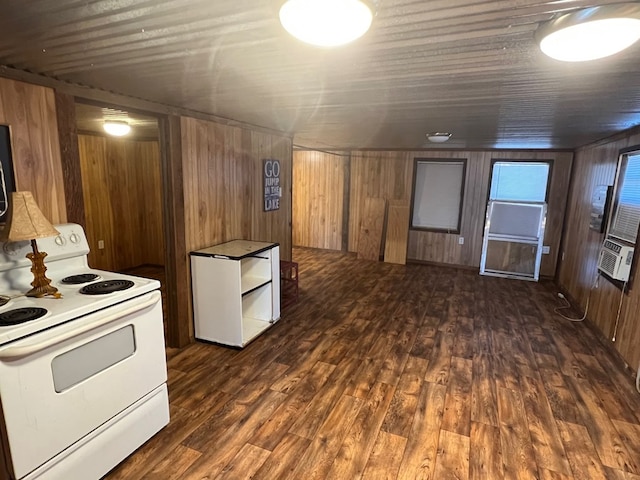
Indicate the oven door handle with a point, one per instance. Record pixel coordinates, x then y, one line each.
16 353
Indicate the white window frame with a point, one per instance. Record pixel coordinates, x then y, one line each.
549 163
623 228
428 195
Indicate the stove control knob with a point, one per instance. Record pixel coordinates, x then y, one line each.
60 241
74 237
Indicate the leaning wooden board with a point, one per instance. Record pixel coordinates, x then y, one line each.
395 249
370 238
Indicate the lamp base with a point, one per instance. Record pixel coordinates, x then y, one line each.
41 284
40 291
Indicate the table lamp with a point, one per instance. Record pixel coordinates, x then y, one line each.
25 221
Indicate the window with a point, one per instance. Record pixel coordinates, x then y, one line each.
519 181
626 213
437 194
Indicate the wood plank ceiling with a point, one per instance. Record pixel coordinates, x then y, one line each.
471 67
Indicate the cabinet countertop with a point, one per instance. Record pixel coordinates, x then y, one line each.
235 249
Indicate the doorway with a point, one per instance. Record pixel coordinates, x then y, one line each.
123 192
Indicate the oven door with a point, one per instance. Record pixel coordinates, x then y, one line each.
59 385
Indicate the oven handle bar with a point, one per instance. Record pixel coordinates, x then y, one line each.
16 353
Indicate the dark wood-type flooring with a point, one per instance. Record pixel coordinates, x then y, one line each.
391 372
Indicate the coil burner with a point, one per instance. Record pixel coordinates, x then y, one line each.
79 279
105 287
21 315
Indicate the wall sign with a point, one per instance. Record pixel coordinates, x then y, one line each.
272 188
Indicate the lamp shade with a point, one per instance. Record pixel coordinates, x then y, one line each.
25 221
590 33
326 23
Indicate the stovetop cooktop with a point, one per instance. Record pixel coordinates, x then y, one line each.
73 304
69 271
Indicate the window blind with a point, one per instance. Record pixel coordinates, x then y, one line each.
626 218
437 195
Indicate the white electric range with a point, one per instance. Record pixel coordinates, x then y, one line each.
83 384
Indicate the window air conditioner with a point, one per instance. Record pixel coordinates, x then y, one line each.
615 260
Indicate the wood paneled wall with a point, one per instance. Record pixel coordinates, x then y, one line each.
121 181
318 199
30 112
596 165
223 185
389 175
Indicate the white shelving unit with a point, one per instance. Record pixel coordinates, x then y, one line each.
236 291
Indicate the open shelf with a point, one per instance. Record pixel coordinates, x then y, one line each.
249 284
251 328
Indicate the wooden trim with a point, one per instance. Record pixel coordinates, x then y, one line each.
627 150
417 261
342 153
177 272
286 252
565 220
346 197
146 106
458 150
70 158
618 136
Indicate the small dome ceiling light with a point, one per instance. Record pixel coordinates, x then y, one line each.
326 23
590 33
438 137
117 128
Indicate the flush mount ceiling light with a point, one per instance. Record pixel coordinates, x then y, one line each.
438 137
326 23
590 33
116 128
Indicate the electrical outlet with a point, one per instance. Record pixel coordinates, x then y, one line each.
545 249
100 244
460 240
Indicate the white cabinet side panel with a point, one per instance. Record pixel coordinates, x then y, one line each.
217 304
